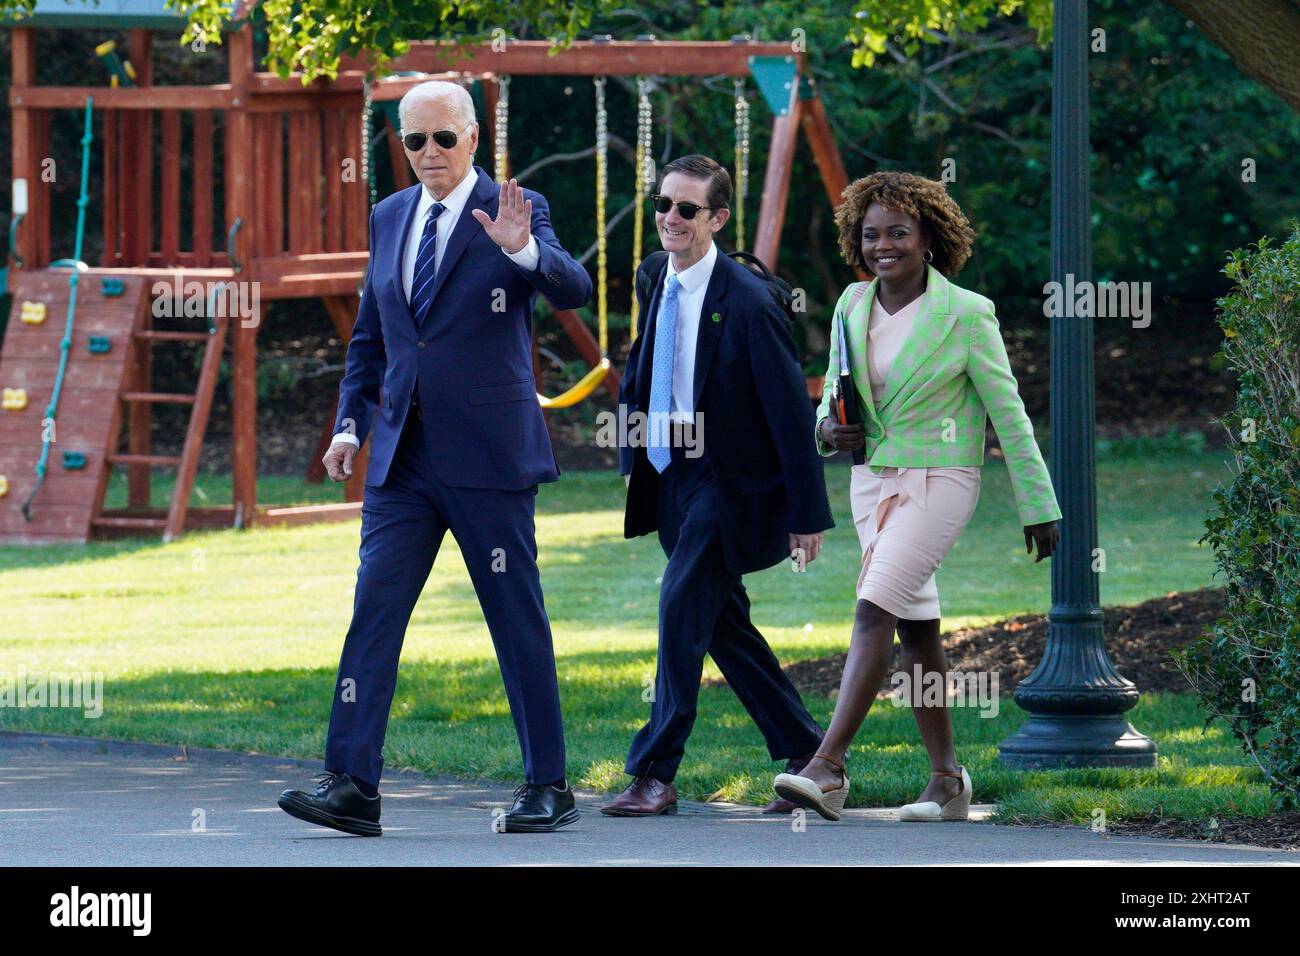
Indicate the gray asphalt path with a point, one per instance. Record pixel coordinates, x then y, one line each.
67 801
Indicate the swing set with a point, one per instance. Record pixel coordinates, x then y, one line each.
774 68
284 222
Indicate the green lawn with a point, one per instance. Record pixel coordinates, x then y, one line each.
231 639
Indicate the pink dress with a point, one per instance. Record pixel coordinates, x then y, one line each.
907 518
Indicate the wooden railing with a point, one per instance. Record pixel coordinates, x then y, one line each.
128 177
300 153
307 175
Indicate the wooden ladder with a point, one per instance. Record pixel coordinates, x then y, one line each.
187 462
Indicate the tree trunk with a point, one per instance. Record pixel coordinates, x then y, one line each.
1261 36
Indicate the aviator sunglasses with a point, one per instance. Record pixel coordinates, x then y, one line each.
445 138
686 210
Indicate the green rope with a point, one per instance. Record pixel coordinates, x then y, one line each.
65 346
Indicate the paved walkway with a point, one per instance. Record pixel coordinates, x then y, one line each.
83 802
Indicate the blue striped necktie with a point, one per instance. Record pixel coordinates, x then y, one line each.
422 281
661 379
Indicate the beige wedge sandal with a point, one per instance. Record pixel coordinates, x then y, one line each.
956 808
803 792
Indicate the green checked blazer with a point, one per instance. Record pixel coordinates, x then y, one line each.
950 377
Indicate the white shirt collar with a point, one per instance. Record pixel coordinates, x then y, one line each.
695 276
454 201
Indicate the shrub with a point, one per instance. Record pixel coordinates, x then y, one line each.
1246 668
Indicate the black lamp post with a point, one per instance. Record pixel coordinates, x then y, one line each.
1075 698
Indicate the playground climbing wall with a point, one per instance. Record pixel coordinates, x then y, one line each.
110 312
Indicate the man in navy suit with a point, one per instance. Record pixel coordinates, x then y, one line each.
439 376
716 362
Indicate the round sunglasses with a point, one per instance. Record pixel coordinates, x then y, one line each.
445 138
686 210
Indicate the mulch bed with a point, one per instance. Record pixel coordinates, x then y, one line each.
1281 831
1139 640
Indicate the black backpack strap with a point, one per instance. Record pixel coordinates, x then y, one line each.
777 287
746 259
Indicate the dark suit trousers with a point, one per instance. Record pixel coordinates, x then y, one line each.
402 526
703 608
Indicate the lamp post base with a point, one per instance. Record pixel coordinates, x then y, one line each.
1047 741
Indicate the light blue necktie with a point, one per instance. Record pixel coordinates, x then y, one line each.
425 258
661 379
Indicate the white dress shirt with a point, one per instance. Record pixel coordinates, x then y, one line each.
690 302
453 205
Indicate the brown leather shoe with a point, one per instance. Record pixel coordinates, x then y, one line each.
646 797
780 804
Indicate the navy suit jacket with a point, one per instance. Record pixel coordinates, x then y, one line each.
472 355
756 421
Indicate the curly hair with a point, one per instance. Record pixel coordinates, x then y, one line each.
925 200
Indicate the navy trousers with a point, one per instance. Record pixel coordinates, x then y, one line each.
704 609
402 526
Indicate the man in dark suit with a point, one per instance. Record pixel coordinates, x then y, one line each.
439 375
716 362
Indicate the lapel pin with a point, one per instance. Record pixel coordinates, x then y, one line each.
716 317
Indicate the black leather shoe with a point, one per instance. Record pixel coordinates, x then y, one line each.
337 803
541 808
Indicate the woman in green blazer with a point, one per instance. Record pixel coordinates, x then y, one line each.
930 369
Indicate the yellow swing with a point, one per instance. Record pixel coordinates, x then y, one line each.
591 381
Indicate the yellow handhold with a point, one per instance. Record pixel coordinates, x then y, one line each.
33 313
15 399
4 486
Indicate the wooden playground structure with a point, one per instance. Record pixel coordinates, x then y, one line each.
294 227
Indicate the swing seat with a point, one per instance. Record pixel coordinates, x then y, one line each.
585 386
